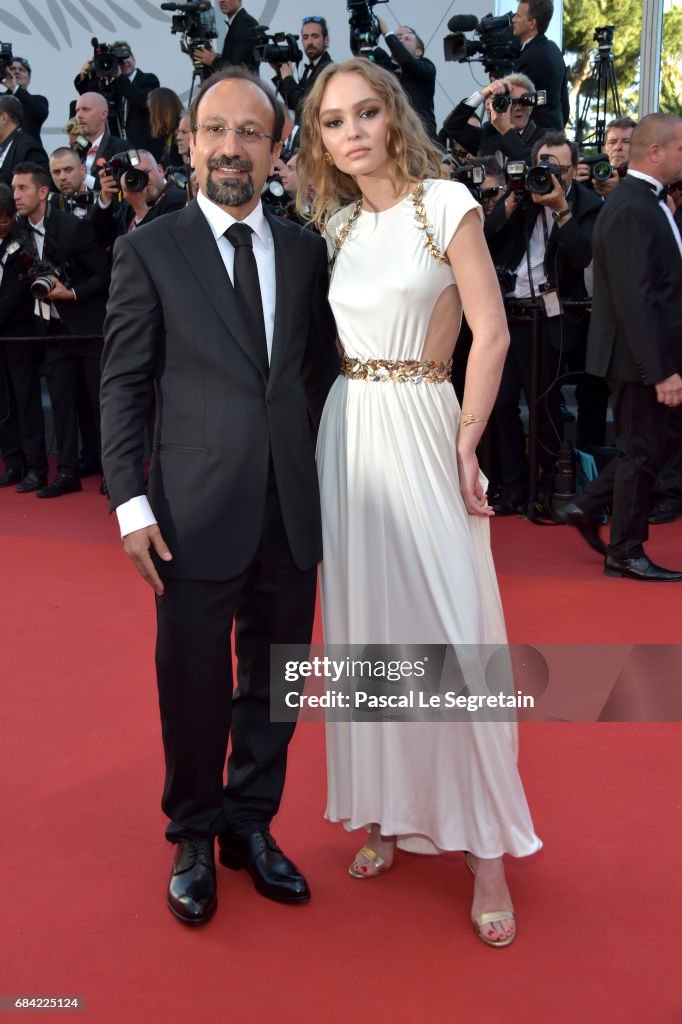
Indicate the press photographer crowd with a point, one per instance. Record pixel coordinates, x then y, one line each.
582 219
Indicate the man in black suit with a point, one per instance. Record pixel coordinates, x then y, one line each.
16 146
220 311
22 430
92 112
315 43
416 72
635 342
36 108
75 305
546 244
239 41
111 219
128 90
510 134
542 61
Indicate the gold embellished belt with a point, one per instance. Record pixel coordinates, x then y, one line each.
399 371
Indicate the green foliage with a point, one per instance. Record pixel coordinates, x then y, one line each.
581 17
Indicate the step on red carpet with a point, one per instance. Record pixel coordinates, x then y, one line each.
84 863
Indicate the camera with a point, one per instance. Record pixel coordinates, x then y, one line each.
603 37
67 202
471 175
124 167
39 274
506 279
6 55
278 48
195 23
502 101
524 180
600 166
496 44
105 60
364 27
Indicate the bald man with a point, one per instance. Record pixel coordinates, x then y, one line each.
92 111
635 343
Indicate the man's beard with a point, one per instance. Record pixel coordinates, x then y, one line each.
225 192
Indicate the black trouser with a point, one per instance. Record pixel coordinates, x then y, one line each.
66 365
22 436
626 483
272 602
668 484
507 441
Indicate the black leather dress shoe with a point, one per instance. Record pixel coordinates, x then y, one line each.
667 510
587 526
273 874
32 482
62 484
10 476
192 887
641 568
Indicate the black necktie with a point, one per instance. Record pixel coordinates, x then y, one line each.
307 72
247 288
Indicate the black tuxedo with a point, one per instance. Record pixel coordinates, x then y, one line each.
22 430
486 140
542 62
233 487
418 78
635 341
36 109
109 146
20 148
118 218
292 92
238 45
70 245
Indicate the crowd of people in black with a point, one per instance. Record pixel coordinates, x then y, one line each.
125 162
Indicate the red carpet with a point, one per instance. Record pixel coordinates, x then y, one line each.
84 863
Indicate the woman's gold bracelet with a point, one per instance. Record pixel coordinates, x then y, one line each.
468 419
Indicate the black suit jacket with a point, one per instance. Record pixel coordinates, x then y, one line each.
418 79
36 109
174 326
16 301
292 92
22 147
70 244
486 140
115 220
541 60
134 93
238 45
636 329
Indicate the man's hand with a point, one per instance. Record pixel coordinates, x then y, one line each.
383 27
86 70
137 546
603 188
138 201
555 200
583 173
59 293
9 80
512 203
495 88
669 391
108 187
285 70
204 54
501 119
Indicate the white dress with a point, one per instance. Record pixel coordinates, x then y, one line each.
403 561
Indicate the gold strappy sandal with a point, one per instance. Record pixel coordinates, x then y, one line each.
490 917
377 864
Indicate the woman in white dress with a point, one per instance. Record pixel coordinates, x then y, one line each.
405 516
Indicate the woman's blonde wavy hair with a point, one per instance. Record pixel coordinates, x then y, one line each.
414 156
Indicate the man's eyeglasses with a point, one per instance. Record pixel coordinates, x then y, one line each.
218 132
554 167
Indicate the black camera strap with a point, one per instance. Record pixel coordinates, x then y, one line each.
529 234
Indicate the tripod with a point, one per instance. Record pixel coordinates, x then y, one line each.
601 83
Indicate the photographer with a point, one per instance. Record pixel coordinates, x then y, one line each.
22 429
15 145
541 244
510 133
68 174
140 205
78 270
542 61
127 89
239 41
617 149
315 41
416 72
36 108
92 111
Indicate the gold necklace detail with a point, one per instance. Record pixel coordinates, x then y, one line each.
423 224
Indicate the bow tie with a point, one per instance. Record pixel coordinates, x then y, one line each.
661 192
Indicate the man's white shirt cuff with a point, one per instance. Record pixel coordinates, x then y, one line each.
135 515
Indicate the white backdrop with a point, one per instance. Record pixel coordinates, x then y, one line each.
54 35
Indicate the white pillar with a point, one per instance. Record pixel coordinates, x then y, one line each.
650 63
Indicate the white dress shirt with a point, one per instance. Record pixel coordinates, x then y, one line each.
91 180
136 513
